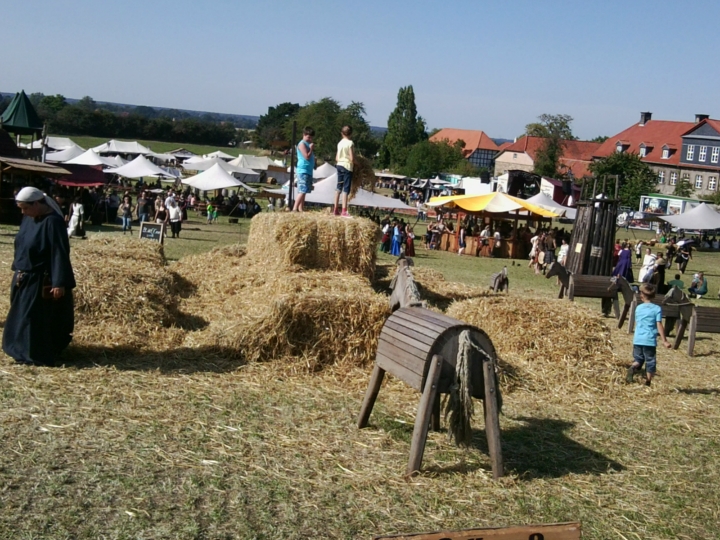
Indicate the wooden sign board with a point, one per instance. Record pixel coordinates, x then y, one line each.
152 231
558 531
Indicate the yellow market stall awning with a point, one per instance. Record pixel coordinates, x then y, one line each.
492 203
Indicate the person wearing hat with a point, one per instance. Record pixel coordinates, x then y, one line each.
41 319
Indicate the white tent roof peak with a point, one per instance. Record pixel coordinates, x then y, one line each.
543 201
121 147
139 167
215 178
260 163
701 217
206 164
64 155
91 158
219 154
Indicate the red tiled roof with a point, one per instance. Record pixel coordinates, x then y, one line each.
473 139
577 155
504 145
662 132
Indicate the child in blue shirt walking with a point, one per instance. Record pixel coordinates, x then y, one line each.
648 325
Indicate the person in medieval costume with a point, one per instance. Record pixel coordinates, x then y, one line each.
624 265
41 319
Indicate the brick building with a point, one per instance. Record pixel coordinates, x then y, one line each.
480 150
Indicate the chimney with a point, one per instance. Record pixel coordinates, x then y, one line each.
700 117
645 117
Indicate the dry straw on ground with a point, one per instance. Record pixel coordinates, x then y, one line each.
556 344
313 241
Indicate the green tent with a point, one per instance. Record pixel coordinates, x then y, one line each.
20 116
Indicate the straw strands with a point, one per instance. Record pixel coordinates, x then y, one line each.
314 241
363 176
554 344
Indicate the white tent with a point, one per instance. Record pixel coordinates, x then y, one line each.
259 163
91 158
121 147
64 155
118 161
162 157
215 178
324 193
219 154
193 159
206 164
543 201
139 167
324 171
53 143
699 218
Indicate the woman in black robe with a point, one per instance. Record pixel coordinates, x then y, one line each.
40 322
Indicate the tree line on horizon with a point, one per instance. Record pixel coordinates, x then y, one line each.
86 117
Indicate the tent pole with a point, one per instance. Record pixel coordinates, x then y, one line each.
291 202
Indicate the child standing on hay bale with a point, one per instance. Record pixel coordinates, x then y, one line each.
648 324
305 168
344 159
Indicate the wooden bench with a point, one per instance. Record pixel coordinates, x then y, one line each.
704 319
594 287
420 347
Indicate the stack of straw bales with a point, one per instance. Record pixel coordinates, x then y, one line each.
551 344
314 242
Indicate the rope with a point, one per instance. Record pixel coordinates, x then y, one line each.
459 407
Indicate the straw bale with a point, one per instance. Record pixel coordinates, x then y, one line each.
439 293
123 294
363 176
555 344
313 241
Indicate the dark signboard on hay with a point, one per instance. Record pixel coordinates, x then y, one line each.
152 231
558 531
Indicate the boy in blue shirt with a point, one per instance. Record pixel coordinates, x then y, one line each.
305 168
648 325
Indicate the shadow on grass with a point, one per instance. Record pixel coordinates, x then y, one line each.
703 391
186 360
541 449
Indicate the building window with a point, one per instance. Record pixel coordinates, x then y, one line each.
619 148
643 151
698 181
703 153
690 152
715 154
666 153
712 183
661 177
673 179
514 156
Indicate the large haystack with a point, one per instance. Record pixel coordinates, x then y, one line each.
260 314
553 343
314 241
123 293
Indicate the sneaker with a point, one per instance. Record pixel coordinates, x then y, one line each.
336 212
345 214
647 383
630 375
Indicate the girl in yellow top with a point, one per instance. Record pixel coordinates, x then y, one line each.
344 159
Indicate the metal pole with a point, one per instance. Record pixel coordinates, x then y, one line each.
293 149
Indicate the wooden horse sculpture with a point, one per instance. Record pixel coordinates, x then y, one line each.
621 285
499 281
404 290
563 275
676 298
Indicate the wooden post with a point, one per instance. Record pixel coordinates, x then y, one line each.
492 422
691 334
371 395
616 306
682 325
435 421
422 420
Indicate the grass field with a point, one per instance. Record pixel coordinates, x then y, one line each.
260 451
162 147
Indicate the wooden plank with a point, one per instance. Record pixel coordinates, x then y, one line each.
390 347
680 333
435 420
418 322
558 531
376 379
691 334
492 422
412 333
422 420
432 316
412 379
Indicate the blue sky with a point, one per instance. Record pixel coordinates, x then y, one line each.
493 66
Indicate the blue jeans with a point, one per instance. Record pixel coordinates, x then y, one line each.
143 217
645 354
344 179
126 223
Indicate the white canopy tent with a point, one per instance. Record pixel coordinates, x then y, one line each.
122 147
61 156
324 193
215 178
138 168
219 154
701 217
206 164
91 158
53 143
543 201
324 171
162 157
259 163
193 159
118 161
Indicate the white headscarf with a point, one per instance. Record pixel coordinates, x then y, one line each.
32 194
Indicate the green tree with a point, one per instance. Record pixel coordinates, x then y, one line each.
86 104
270 131
427 159
683 188
405 128
49 106
635 176
553 128
600 139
